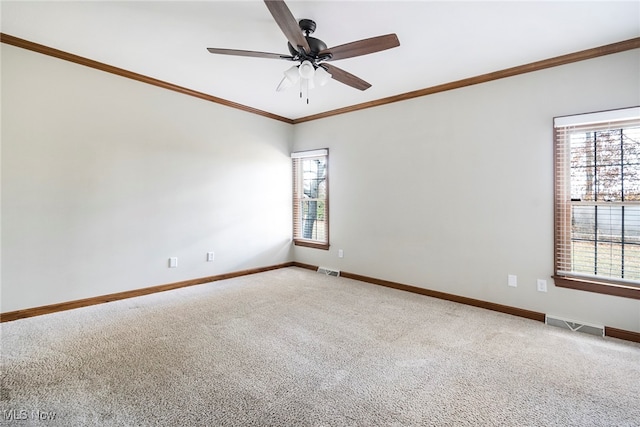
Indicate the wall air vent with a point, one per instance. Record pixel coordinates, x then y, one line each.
328 271
574 326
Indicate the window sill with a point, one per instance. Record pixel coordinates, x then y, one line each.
310 244
614 289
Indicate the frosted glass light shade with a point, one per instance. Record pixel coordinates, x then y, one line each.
306 70
322 76
291 77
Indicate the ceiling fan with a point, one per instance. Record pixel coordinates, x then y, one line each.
312 53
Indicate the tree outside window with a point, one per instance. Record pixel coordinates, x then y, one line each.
597 202
310 198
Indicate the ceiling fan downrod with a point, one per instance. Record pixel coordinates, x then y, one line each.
308 26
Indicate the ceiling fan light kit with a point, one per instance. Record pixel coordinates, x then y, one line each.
307 74
312 53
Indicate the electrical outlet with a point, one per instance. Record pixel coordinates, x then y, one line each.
340 253
542 285
512 280
210 256
173 262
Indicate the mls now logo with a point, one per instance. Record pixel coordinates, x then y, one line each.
23 415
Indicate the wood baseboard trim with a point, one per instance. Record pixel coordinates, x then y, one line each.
69 305
307 266
514 311
622 334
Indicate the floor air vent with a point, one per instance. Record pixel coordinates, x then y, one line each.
328 271
574 326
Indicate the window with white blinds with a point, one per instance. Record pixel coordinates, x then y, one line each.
311 198
597 202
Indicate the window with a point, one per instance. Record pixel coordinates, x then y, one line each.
597 202
311 198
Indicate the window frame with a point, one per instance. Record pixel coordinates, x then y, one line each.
296 158
563 205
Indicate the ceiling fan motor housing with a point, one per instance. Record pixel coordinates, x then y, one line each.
308 26
315 44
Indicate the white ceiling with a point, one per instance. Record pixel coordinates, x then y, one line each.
440 41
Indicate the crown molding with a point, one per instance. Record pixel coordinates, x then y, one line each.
484 78
39 48
583 55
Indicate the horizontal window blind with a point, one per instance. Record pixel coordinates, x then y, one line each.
597 197
310 198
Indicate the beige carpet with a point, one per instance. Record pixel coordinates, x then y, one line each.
292 347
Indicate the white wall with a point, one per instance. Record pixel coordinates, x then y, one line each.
105 178
454 191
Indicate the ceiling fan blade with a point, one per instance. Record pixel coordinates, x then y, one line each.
252 53
345 77
361 47
287 23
